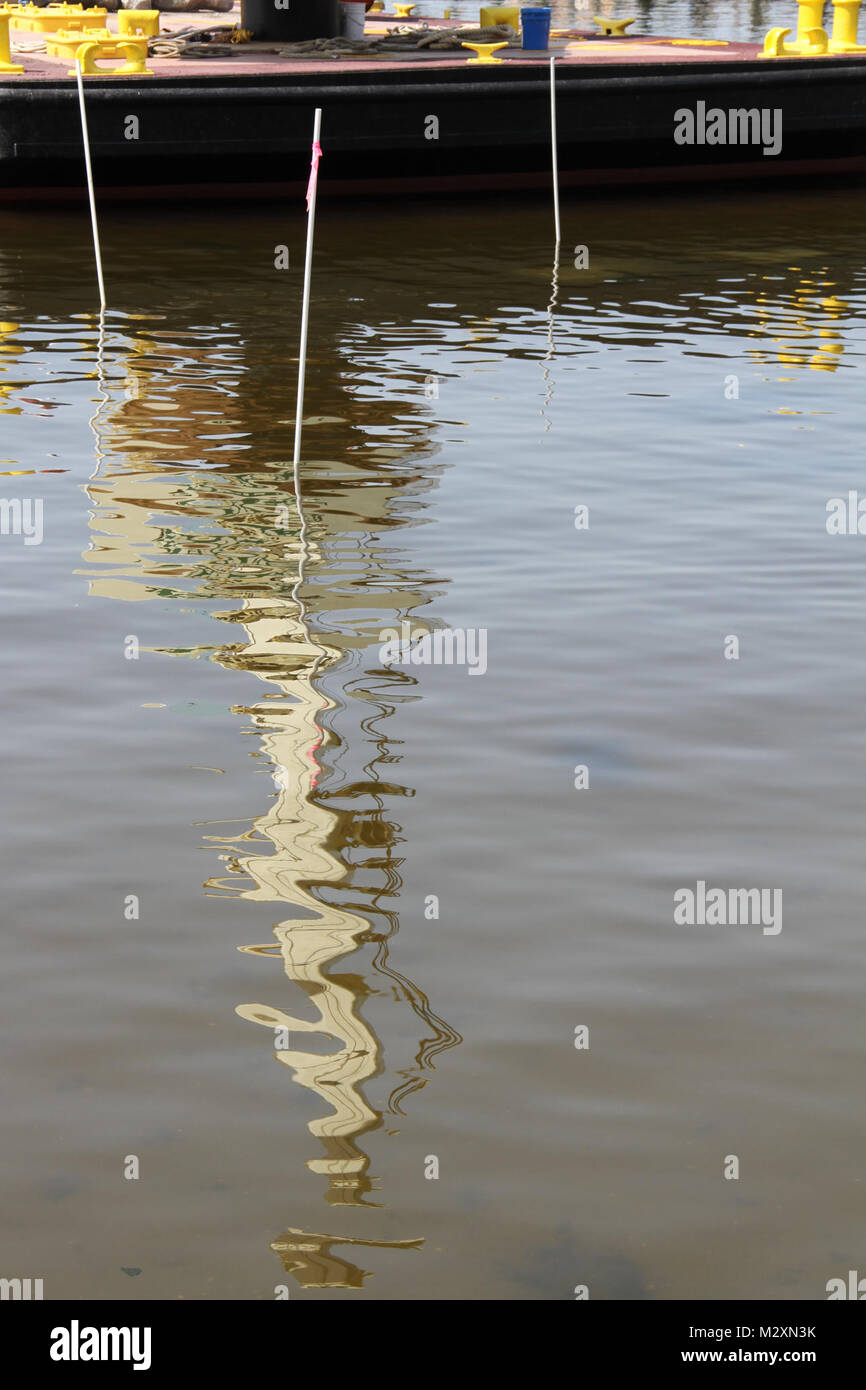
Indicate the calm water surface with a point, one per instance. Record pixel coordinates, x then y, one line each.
284 1036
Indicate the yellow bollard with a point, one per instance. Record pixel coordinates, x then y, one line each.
613 28
809 19
133 50
138 22
845 15
7 67
810 15
485 52
403 11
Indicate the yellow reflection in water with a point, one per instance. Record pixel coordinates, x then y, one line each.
236 535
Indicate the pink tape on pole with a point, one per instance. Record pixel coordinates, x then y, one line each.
314 171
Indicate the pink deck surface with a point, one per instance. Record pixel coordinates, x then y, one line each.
580 48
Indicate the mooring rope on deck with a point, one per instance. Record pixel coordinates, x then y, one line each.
398 40
225 41
219 41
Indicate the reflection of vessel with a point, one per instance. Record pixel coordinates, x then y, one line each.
312 847
801 321
310 1260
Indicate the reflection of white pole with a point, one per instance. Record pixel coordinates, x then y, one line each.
308 270
553 144
86 138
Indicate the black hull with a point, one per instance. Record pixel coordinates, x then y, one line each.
251 134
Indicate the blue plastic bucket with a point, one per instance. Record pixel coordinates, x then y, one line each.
536 26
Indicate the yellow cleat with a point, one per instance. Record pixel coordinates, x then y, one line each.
613 28
485 52
133 50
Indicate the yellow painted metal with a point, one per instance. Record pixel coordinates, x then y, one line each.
141 22
810 15
31 20
613 28
500 14
134 51
403 11
774 44
66 42
845 16
815 41
485 52
7 67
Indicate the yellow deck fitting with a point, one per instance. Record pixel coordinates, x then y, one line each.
31 20
66 42
844 39
6 65
377 7
133 50
811 38
774 44
485 52
814 41
144 23
500 14
809 27
403 11
613 28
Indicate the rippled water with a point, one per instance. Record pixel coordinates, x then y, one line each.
285 1036
724 19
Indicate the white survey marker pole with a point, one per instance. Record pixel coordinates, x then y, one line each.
92 196
555 158
308 272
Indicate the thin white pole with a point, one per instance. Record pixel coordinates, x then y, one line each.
553 145
305 309
86 138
